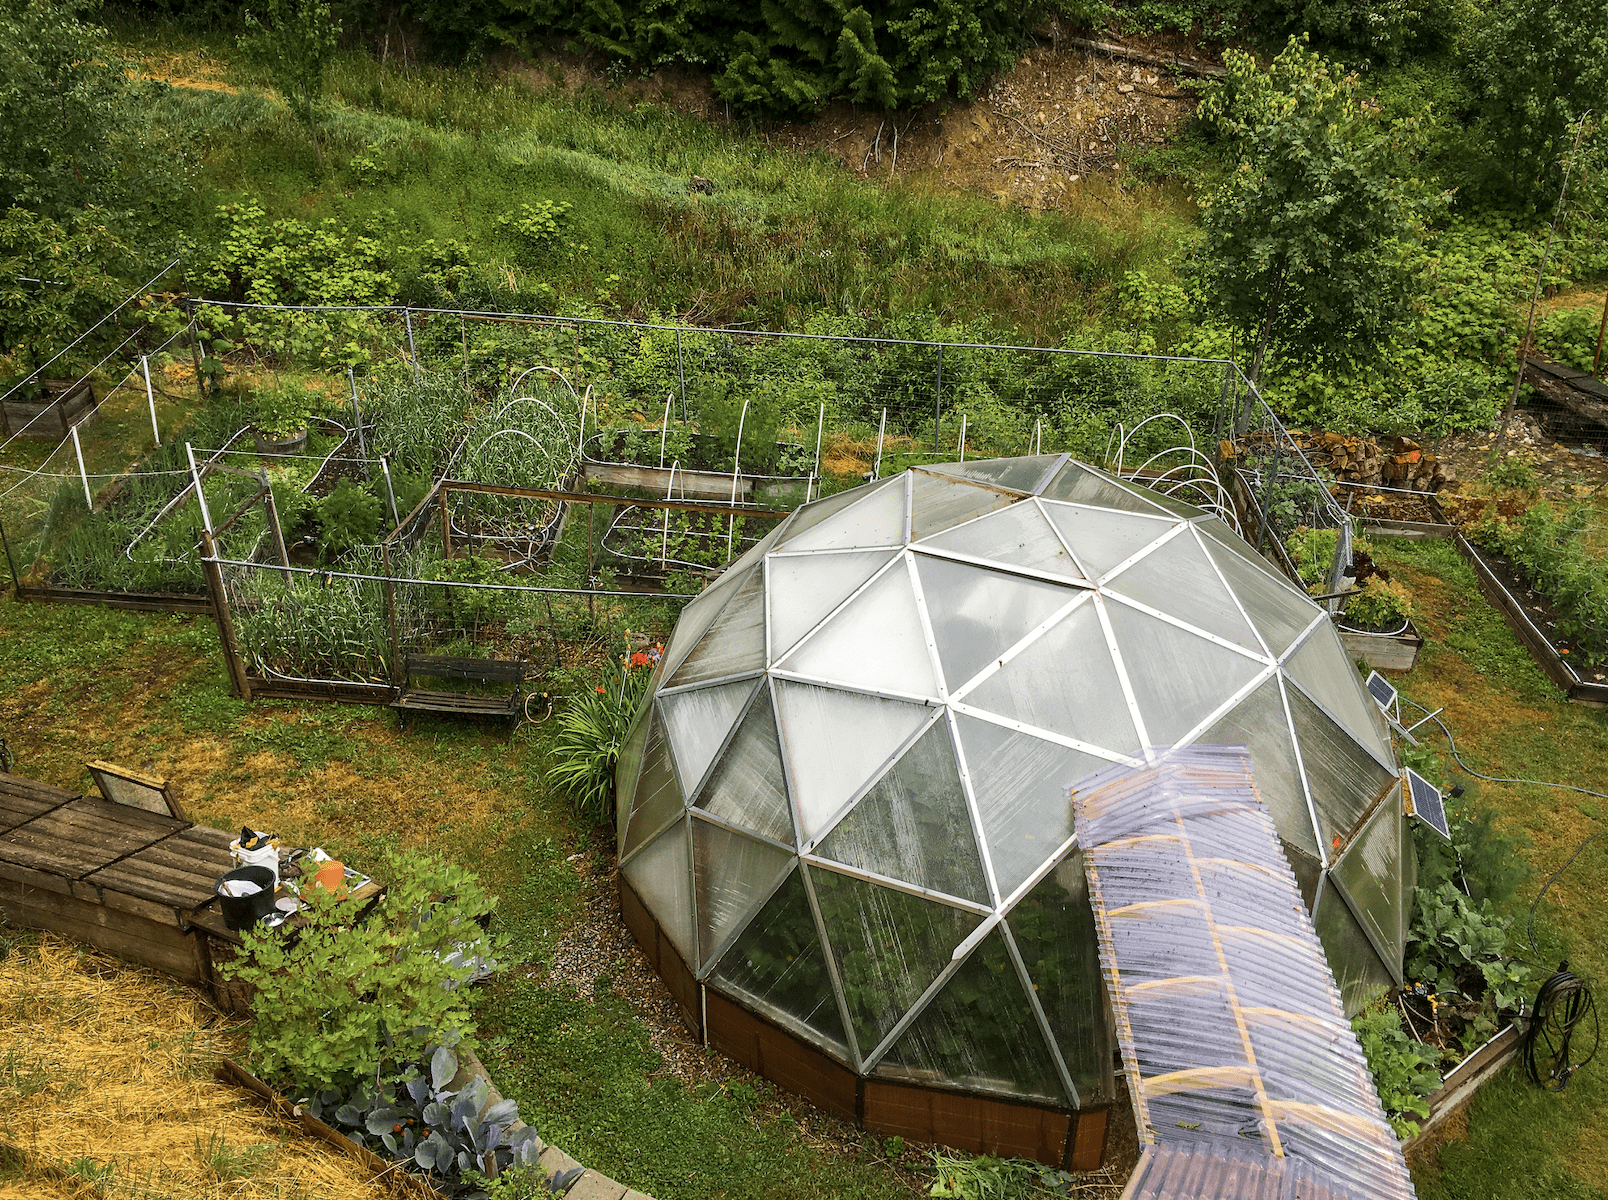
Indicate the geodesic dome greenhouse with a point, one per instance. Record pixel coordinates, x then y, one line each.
844 833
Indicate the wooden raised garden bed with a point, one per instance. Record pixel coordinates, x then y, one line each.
52 414
1581 684
1460 1083
1396 652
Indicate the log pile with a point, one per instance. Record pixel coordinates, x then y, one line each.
1380 461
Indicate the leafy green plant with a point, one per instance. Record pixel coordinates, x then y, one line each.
347 518
537 225
1461 946
1312 552
591 730
284 411
1551 550
1403 1070
1516 472
295 44
990 1178
348 996
1379 605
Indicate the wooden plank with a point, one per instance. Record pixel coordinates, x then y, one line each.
72 836
709 485
184 861
492 489
149 881
21 785
53 855
452 702
92 812
119 933
147 904
133 601
17 810
510 670
205 835
23 876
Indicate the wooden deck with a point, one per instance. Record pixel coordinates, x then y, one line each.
133 883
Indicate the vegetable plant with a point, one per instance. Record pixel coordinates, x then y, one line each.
284 411
1403 1070
1379 605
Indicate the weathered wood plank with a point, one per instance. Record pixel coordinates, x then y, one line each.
19 785
140 877
119 933
149 905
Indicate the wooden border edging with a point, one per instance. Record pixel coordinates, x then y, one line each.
1540 646
1467 1077
138 601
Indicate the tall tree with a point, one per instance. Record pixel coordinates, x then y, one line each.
1536 67
296 40
1309 242
63 106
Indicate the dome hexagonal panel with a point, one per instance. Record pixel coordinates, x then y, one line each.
938 503
698 721
662 876
746 786
1279 613
1019 474
1102 539
874 519
735 641
731 875
1082 484
1181 581
656 796
1322 667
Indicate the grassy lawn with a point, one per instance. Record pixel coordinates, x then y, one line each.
1520 1142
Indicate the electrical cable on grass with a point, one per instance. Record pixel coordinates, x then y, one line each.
1564 1003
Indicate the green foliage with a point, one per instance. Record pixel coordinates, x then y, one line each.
1385 30
225 1163
537 225
1403 1070
64 109
1515 472
1309 243
721 409
1550 548
294 262
1570 335
591 733
81 258
315 630
347 518
988 1178
1312 552
1457 944
1536 68
1380 605
295 41
346 996
283 411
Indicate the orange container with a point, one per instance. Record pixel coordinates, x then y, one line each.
331 876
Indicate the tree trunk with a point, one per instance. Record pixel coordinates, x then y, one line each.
1267 326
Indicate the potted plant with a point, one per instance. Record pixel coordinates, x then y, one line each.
280 423
1376 624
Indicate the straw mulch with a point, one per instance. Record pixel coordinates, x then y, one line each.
103 1065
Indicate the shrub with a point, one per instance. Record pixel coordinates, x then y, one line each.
347 518
591 731
1379 605
347 996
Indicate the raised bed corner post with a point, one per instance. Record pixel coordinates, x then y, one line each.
390 491
89 501
397 675
357 415
239 684
11 561
279 533
195 353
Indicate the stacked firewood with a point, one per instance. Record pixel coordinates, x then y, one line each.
1389 462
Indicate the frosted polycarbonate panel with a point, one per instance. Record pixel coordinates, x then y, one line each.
731 874
746 786
977 615
979 1034
1307 873
697 616
1103 539
1080 484
1178 678
662 876
1258 723
1054 931
1020 783
1180 580
1370 873
736 640
1279 614
1021 474
836 742
777 965
1064 682
658 795
875 519
698 722
1323 668
913 824
804 589
813 513
876 642
1344 777
1220 531
1360 974
888 947
938 504
1019 535
626 769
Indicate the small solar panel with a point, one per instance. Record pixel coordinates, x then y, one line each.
1427 804
1381 689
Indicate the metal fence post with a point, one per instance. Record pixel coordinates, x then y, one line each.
357 415
681 375
938 401
413 356
89 501
150 399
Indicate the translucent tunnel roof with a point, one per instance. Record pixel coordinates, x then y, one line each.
846 800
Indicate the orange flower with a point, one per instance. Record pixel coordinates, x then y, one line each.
601 689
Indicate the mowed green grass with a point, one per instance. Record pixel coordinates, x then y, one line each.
1521 1143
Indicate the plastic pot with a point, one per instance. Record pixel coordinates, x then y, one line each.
242 912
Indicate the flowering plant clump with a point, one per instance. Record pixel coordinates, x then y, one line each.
593 728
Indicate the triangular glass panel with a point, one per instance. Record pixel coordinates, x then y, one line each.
1344 777
1053 928
658 796
1323 668
1178 678
1279 612
1020 536
736 640
1020 784
1180 580
1080 484
730 874
698 616
1219 531
913 824
1020 474
698 722
628 767
1307 872
1370 874
746 787
1102 539
805 588
938 504
662 876
1357 968
836 742
977 615
816 511
876 642
889 946
875 519
979 1033
1064 682
778 967
1258 723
